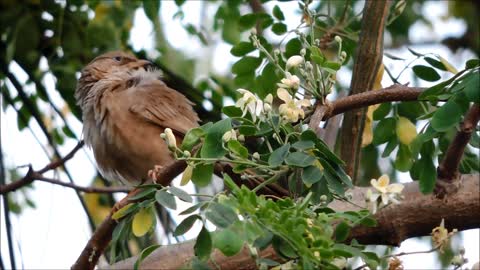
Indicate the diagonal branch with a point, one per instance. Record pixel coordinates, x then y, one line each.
103 234
447 170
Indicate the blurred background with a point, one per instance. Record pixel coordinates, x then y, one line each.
45 43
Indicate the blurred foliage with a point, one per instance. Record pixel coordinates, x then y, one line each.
58 38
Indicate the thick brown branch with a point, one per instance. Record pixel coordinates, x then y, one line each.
448 169
417 215
367 62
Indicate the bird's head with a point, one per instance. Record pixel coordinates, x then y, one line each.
108 66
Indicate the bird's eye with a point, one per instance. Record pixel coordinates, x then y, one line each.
117 58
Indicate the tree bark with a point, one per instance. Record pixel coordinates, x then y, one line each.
367 61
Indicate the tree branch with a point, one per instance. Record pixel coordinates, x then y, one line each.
447 171
396 92
417 215
367 62
103 234
32 175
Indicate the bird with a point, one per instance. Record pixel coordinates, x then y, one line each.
125 107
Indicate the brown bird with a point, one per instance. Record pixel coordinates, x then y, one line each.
125 108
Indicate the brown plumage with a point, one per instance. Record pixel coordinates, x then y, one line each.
125 109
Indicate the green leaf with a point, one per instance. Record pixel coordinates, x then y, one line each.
391 145
472 89
246 65
435 63
426 73
202 174
472 63
232 111
434 90
279 28
212 146
144 193
332 65
248 21
144 254
192 208
415 53
237 148
127 209
384 131
151 9
277 13
166 199
181 194
278 156
220 215
382 111
446 116
311 175
186 225
283 248
428 175
242 48
228 242
143 221
192 138
302 145
293 47
299 159
403 161
203 245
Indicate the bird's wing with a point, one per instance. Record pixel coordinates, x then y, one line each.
157 103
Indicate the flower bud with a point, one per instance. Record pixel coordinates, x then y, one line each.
256 155
343 55
269 99
253 31
186 154
171 141
187 175
294 61
338 39
241 138
267 108
303 52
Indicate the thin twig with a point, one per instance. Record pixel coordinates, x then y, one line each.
401 254
32 175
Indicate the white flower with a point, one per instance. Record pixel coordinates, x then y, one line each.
171 141
291 81
388 191
249 103
229 135
294 61
291 110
